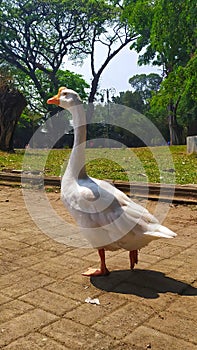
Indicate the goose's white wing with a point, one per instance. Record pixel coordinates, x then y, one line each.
108 218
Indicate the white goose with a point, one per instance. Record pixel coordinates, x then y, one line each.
107 217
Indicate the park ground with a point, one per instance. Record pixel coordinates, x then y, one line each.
43 293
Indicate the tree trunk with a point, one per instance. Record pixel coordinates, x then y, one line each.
94 86
176 131
12 103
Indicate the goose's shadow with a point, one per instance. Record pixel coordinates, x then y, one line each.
143 283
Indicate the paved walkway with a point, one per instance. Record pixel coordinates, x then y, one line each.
43 294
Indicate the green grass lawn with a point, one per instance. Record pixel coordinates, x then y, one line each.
154 164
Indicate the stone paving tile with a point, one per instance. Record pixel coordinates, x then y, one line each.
29 236
72 290
156 301
77 336
125 346
12 245
167 265
89 314
27 285
122 262
167 251
50 302
5 222
12 309
35 341
184 307
53 246
149 338
4 232
124 320
24 324
6 267
80 280
175 325
52 269
4 299
93 255
35 258
15 277
148 258
13 256
66 261
182 242
187 273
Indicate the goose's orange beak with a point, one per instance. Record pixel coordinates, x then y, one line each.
53 100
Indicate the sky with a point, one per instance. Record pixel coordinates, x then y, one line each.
116 75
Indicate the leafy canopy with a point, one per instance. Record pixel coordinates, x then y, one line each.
166 30
37 36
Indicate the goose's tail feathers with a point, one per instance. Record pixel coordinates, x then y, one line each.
160 231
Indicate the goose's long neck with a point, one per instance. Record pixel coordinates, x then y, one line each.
76 164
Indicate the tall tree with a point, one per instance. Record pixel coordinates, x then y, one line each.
38 35
143 86
130 99
167 32
146 85
181 86
12 103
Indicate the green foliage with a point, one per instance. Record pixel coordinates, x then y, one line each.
34 114
131 99
167 35
167 30
188 76
181 85
44 32
6 78
25 84
73 81
146 84
139 15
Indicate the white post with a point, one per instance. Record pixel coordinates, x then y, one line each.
192 144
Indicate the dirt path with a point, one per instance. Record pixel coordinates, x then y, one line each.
43 294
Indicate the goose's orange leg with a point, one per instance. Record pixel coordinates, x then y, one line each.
103 271
133 256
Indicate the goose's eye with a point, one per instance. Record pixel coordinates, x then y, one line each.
64 93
